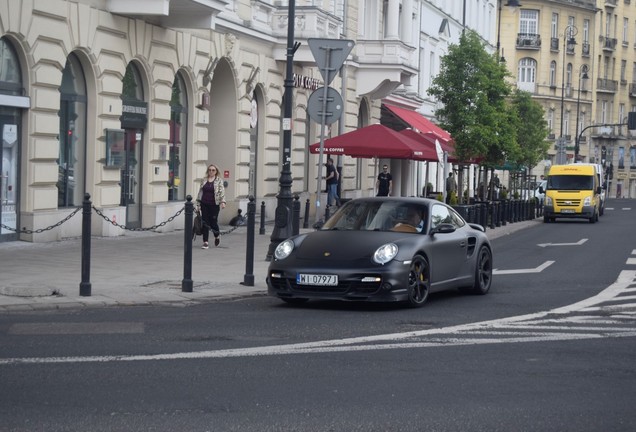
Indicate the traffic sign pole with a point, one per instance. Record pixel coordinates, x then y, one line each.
330 55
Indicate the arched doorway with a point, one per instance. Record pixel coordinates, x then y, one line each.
223 129
177 162
133 121
72 114
12 102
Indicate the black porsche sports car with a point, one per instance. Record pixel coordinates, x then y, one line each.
383 249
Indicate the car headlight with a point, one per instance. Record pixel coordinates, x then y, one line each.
284 249
587 201
385 253
548 201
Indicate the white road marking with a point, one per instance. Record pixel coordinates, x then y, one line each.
578 243
631 261
561 323
539 269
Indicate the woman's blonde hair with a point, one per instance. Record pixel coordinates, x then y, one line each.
207 174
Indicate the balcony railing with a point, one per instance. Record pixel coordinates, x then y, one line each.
632 90
311 22
607 85
608 43
585 49
528 41
554 44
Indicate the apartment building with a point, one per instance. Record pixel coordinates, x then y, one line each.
578 59
129 100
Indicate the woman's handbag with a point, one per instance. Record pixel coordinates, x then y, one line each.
197 225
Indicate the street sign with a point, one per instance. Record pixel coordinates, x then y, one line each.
439 151
330 54
332 107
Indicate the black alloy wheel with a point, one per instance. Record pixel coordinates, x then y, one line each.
418 282
483 271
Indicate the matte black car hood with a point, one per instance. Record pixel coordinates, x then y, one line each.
346 245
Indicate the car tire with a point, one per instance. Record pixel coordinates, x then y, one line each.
418 281
483 272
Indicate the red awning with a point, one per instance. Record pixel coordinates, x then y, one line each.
376 141
428 140
419 122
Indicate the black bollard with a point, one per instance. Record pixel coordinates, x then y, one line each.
296 215
327 210
85 284
262 228
497 213
186 283
248 278
306 222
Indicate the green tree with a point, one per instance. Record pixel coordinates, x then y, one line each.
475 108
532 130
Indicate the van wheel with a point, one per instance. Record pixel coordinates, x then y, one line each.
594 217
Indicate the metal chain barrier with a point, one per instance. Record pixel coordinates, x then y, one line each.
124 227
170 219
164 223
41 230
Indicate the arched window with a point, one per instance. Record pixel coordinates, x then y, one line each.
177 140
72 163
527 74
10 73
132 84
11 89
552 73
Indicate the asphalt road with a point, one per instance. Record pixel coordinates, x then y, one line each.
550 348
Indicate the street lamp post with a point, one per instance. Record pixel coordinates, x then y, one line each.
511 4
582 75
568 40
282 217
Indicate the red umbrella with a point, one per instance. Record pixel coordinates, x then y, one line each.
375 141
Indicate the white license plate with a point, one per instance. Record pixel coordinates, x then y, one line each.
315 279
567 211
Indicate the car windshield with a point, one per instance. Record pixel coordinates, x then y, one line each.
571 182
378 216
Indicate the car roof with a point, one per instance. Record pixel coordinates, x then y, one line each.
403 200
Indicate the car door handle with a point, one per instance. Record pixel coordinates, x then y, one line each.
462 244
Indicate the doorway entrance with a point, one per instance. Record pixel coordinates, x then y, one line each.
9 191
130 177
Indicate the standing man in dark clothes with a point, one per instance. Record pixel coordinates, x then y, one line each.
384 183
332 184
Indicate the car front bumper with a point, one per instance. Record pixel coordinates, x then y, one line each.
385 283
586 212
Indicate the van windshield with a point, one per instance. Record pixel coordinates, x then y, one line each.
570 182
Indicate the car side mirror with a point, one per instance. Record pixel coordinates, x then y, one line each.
444 228
541 190
598 190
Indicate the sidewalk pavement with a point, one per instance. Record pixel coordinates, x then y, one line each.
139 268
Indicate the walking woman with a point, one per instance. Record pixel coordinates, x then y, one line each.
211 198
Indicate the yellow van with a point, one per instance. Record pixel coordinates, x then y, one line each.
572 191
